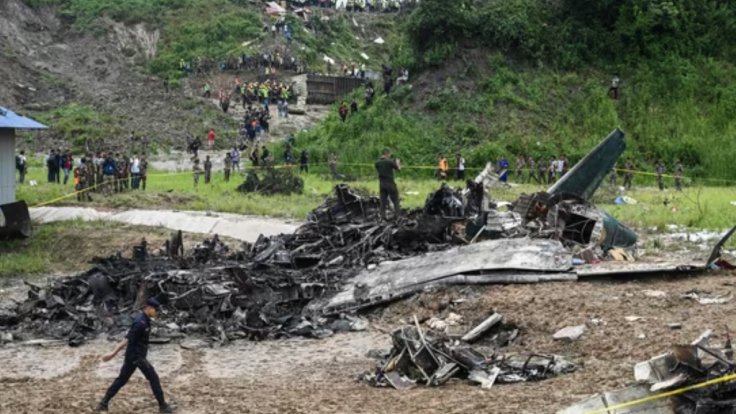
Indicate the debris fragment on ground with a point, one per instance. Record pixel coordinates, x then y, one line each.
257 291
272 181
432 358
681 368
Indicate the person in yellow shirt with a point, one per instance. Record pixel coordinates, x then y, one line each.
442 167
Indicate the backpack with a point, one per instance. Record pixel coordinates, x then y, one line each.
18 163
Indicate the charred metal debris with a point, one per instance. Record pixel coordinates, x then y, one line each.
272 181
259 291
345 258
434 357
665 384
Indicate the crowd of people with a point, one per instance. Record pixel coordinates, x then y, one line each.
386 6
101 172
254 93
266 63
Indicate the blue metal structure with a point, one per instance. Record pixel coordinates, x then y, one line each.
9 119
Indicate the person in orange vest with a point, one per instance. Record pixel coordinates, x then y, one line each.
442 167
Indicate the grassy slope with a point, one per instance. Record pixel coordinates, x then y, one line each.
69 246
489 107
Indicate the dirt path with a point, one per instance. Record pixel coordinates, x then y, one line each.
318 376
239 227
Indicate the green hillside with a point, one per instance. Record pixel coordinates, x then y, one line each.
531 77
489 78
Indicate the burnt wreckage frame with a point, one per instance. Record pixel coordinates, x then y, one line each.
343 259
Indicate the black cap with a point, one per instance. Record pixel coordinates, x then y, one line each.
153 303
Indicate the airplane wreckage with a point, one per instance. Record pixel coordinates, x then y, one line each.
344 258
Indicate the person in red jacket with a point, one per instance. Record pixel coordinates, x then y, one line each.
211 139
343 111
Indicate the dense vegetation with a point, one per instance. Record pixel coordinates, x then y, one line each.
504 78
493 78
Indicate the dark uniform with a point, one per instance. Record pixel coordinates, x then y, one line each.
660 169
385 168
629 175
679 169
135 358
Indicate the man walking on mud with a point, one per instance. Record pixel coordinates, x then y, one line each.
136 350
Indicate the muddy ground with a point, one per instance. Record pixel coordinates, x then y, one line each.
318 376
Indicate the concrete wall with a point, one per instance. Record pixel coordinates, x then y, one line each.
7 165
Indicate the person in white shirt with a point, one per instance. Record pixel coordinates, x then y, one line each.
21 164
460 171
135 171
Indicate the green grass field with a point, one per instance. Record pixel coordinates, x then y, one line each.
696 207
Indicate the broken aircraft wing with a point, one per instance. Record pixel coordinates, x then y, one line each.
477 263
521 260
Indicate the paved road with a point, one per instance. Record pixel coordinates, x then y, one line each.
240 227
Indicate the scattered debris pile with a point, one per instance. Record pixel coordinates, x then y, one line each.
272 181
433 358
259 291
682 367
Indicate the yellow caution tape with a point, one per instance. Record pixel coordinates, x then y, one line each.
74 193
412 167
666 394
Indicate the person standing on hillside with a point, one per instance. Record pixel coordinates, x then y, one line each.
136 353
135 171
551 169
519 169
660 169
542 170
109 170
385 166
332 162
629 174
460 167
503 170
343 111
235 158
211 139
228 165
255 156
81 181
369 93
560 168
207 170
143 175
442 167
196 172
679 170
21 164
613 176
67 161
532 175
615 85
353 107
304 162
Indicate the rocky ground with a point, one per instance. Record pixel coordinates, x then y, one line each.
318 376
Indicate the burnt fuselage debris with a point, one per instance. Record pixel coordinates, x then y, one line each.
432 358
681 368
272 181
550 235
345 258
257 291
